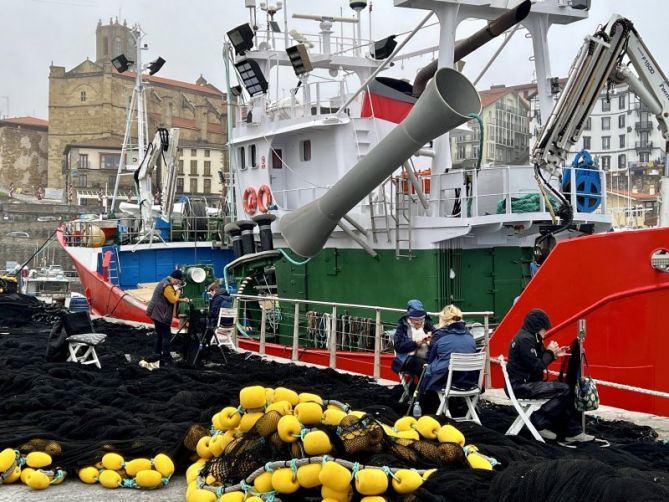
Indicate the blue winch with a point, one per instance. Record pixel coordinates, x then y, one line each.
588 182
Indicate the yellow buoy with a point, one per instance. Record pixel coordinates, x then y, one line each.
25 474
110 479
371 482
406 481
249 420
232 497
288 428
38 459
16 474
263 483
252 397
199 495
428 473
282 407
449 434
217 445
283 394
405 424
317 443
163 465
333 416
427 427
335 476
112 461
307 475
37 480
374 498
136 465
216 421
254 498
228 418
410 434
284 481
307 397
327 493
7 458
89 475
476 460
149 479
193 472
202 447
309 413
357 413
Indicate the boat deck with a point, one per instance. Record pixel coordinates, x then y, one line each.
143 291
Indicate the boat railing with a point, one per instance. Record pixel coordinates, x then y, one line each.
309 100
341 330
338 44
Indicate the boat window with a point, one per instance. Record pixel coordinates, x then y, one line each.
306 150
277 158
242 158
253 156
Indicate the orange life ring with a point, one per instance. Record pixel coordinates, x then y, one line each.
264 198
250 200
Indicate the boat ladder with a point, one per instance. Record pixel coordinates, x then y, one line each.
114 270
378 212
403 210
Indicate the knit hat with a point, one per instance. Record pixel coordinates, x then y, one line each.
177 274
415 309
535 320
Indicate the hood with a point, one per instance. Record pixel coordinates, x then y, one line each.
535 320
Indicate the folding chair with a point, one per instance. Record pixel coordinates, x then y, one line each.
405 380
223 335
82 338
457 363
524 408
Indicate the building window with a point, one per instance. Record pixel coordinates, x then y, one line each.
622 140
82 96
588 124
606 123
206 153
193 185
621 102
622 161
207 186
242 158
586 142
193 167
606 142
83 161
78 181
606 105
105 46
621 121
109 161
277 158
180 185
193 152
180 170
207 168
606 162
461 152
306 150
252 149
644 156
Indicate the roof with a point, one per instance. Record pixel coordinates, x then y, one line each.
207 89
106 143
632 195
25 121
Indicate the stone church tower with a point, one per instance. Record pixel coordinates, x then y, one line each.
113 39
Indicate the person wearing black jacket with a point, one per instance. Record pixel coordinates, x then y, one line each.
411 339
528 360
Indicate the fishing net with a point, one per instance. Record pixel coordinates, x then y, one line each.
78 413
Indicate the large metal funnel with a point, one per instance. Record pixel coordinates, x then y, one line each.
445 104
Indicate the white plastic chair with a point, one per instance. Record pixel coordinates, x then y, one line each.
223 336
405 380
82 338
524 408
457 363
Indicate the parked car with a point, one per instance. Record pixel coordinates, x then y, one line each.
19 235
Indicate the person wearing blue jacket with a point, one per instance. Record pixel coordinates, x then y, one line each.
450 337
220 299
411 339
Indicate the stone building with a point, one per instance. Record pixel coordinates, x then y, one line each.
87 110
23 153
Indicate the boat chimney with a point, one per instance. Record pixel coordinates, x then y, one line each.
264 222
248 244
236 236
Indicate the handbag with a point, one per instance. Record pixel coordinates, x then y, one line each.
586 397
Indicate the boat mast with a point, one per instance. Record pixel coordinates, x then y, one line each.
137 109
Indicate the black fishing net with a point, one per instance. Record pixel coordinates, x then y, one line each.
80 412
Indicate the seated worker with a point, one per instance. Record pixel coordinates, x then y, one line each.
220 298
411 339
451 336
528 360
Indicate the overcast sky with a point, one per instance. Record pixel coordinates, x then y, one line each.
189 34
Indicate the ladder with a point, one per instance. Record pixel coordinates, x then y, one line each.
114 269
403 210
378 212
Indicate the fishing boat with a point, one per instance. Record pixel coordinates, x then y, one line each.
369 210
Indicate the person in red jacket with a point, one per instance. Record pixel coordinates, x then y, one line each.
161 309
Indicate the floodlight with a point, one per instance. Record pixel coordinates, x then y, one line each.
252 76
236 90
299 58
241 38
384 48
121 63
155 66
